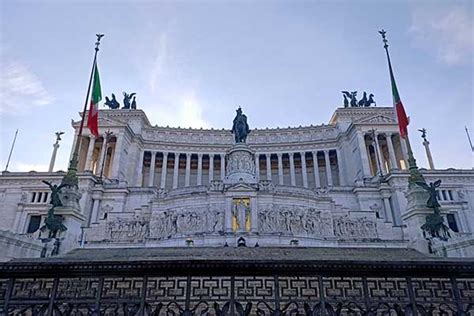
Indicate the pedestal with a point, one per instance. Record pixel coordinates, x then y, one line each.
240 165
415 216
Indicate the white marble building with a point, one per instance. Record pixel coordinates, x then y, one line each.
176 187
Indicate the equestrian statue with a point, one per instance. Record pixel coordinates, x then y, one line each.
240 128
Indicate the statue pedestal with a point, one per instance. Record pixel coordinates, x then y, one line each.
240 165
415 216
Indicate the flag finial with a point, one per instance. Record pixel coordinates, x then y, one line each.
384 39
99 37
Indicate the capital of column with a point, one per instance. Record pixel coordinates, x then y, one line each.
279 155
291 154
200 155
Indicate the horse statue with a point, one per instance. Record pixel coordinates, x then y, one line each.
112 104
240 128
370 101
126 99
352 96
362 102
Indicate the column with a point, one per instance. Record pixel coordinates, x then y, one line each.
317 181
175 170
139 175
280 168
363 154
328 167
90 151
211 167
151 177
292 169
380 164
426 143
103 153
53 156
388 210
303 169
199 174
188 170
117 155
341 168
257 166
222 167
404 151
95 211
164 170
269 167
391 152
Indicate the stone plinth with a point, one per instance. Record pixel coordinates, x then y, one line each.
240 165
415 216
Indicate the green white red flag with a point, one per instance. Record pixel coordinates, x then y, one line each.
96 96
402 117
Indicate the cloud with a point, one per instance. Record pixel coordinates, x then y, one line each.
25 167
157 68
179 109
20 89
449 30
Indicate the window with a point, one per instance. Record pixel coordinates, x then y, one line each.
444 195
34 224
450 193
452 222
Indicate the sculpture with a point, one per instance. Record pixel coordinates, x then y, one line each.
346 101
112 104
55 190
423 133
126 99
54 223
352 96
134 103
240 128
434 224
364 102
370 101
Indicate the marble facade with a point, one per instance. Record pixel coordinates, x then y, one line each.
310 186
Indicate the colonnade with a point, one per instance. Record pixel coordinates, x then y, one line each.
96 155
171 170
382 152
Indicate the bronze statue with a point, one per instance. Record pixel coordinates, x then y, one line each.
370 101
434 224
346 101
423 133
134 103
352 96
55 190
126 99
362 102
240 128
112 104
54 223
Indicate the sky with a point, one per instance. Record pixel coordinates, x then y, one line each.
192 63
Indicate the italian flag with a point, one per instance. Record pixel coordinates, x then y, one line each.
402 117
96 96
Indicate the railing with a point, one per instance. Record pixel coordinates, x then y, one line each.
217 288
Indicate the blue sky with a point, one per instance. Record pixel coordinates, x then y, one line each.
193 62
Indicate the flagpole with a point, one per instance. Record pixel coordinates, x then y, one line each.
415 174
71 177
11 150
